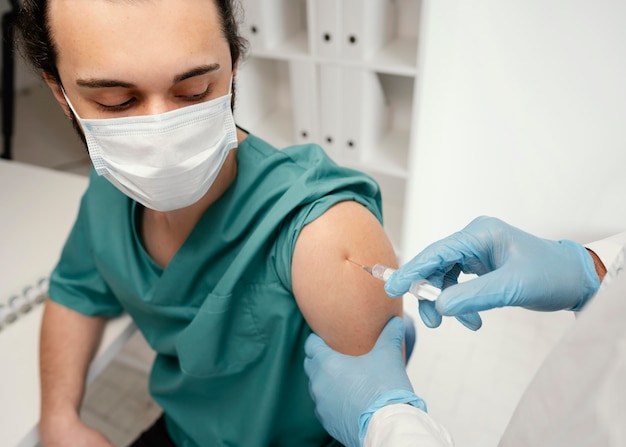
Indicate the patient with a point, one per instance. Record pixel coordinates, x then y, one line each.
225 251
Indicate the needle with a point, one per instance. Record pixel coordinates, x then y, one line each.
364 267
420 289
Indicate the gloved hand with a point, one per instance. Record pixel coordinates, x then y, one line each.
348 390
515 269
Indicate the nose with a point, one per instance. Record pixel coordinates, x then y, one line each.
156 106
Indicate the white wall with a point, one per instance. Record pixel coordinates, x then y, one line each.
521 114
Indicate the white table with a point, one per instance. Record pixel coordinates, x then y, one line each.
37 209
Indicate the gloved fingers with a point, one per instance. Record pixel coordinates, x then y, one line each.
471 321
432 261
450 278
391 335
319 357
315 346
495 289
440 262
430 316
409 336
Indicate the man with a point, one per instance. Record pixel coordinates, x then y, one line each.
578 397
225 251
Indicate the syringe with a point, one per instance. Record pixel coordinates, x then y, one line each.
421 289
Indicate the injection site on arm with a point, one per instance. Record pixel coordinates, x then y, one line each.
343 306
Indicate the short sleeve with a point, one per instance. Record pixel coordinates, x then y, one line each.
75 282
356 187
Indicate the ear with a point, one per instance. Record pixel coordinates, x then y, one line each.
55 87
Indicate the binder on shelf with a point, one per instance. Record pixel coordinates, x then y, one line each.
398 51
352 114
292 23
366 25
269 23
353 23
304 94
325 28
364 112
330 108
253 27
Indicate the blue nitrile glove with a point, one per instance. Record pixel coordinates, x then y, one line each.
515 269
348 390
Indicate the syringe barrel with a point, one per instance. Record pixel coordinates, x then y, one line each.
423 289
382 272
420 289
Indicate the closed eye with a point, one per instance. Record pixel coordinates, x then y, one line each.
116 107
196 97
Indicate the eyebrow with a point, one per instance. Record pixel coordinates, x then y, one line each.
109 83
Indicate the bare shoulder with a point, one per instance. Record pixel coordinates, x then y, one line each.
341 302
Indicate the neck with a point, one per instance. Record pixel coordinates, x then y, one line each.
163 233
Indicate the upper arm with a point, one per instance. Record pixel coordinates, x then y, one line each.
341 302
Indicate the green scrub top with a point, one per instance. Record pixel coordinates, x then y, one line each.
221 316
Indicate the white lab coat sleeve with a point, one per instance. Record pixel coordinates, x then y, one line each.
402 425
608 249
578 397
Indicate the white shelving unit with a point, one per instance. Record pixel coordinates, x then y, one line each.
339 73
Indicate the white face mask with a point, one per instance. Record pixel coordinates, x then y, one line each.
166 161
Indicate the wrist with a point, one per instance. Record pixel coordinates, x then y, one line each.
55 423
599 265
388 398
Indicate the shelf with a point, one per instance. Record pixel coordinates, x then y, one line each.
343 69
398 57
275 26
296 47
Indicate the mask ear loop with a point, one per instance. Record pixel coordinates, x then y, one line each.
94 151
69 103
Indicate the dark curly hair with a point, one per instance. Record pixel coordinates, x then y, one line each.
36 45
